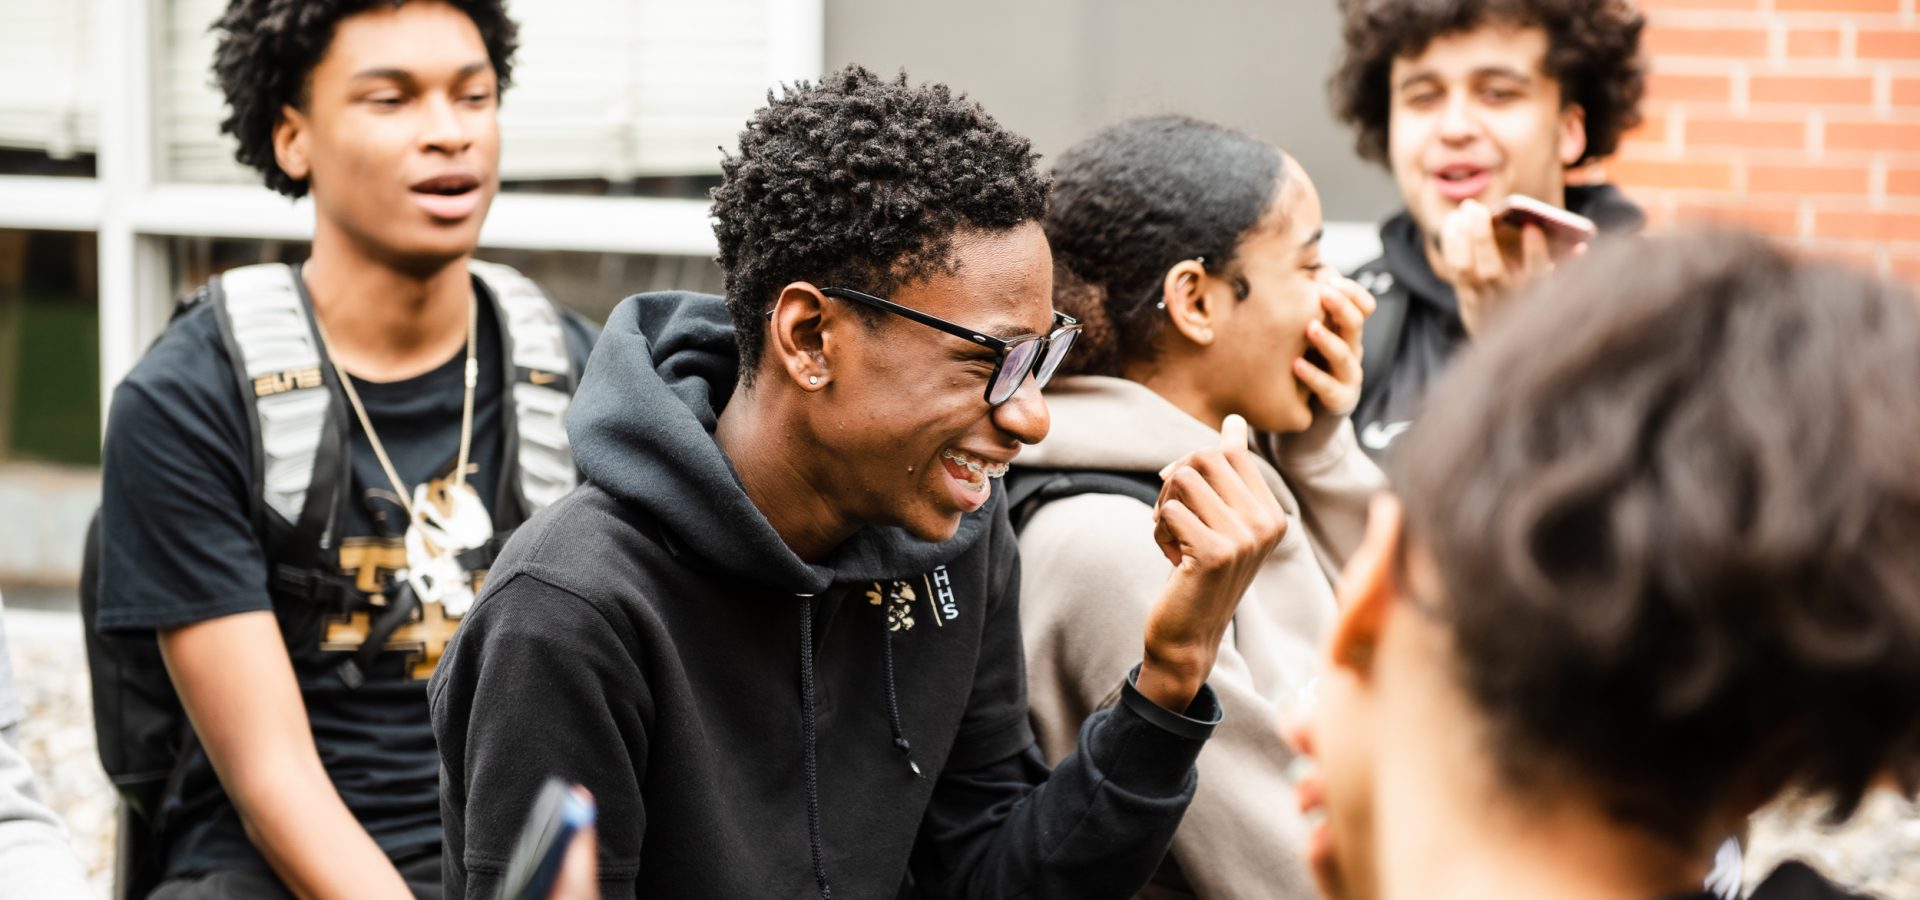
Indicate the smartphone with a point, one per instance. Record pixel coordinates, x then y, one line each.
1563 229
559 813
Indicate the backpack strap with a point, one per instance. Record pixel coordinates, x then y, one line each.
299 433
540 380
278 357
1028 489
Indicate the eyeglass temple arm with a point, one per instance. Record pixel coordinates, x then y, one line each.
957 330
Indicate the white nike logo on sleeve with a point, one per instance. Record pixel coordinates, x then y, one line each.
1378 435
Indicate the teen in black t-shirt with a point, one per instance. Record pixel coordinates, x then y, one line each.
301 780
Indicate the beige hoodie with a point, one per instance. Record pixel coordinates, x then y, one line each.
1090 572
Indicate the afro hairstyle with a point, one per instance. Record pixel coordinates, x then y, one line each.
1593 51
268 48
861 181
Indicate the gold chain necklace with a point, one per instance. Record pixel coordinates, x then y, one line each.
435 535
366 424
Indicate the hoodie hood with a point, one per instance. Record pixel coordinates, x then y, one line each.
641 426
1404 246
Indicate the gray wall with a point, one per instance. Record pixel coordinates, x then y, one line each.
1056 70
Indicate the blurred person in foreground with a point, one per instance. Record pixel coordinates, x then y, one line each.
306 476
1191 255
1633 588
776 632
1466 102
36 857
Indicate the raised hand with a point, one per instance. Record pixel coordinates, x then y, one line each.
1217 522
1483 275
1347 306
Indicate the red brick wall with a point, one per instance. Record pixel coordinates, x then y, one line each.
1797 117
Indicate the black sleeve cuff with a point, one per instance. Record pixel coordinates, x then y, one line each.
1197 724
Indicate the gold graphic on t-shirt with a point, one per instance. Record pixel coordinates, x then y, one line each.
373 561
423 639
898 597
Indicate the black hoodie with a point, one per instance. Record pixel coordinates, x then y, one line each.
1417 328
752 725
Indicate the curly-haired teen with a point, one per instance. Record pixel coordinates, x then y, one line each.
1643 582
776 632
302 434
1468 102
1192 254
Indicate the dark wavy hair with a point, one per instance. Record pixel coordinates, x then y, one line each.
1674 505
1593 51
269 47
861 181
1132 201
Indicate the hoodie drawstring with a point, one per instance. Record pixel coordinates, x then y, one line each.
809 730
812 751
893 704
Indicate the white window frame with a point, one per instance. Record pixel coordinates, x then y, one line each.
134 215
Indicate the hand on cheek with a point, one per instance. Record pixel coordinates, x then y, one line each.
1344 307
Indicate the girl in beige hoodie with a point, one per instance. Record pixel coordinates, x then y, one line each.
1191 252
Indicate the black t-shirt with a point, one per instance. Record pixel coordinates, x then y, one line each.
178 546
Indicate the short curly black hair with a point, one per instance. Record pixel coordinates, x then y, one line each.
269 47
1677 549
861 181
1593 51
1131 202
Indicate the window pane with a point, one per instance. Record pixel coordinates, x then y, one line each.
49 348
49 88
609 97
588 283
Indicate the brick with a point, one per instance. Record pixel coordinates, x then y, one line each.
1903 182
1651 130
1746 133
1906 92
1907 268
1888 44
1837 6
1895 136
1648 173
1868 226
1667 88
1808 179
1813 43
1823 91
1777 220
1723 43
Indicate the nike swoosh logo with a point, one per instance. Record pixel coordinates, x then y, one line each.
538 377
1377 436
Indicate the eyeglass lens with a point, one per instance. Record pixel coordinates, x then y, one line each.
1013 370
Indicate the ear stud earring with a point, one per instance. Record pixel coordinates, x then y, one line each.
813 379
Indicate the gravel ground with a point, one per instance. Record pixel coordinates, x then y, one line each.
1878 851
50 670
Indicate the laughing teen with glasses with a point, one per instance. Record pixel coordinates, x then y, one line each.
1192 253
776 632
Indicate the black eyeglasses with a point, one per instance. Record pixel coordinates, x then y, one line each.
1035 354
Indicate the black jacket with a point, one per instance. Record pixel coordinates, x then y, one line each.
645 636
1416 329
